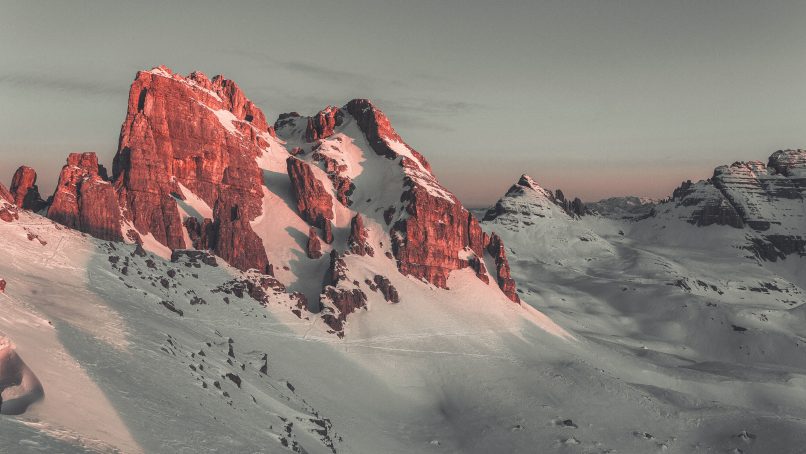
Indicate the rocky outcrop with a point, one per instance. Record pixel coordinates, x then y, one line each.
314 246
8 211
314 202
388 290
342 184
357 242
25 191
339 297
322 124
768 200
213 156
5 194
337 271
379 132
428 243
505 281
481 270
201 233
344 188
2 285
346 301
573 207
709 205
84 200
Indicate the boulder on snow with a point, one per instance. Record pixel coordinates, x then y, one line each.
19 386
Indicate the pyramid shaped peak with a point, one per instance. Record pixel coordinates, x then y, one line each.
526 180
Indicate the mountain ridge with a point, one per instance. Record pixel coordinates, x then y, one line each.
199 167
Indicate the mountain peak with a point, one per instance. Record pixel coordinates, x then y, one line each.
527 186
528 198
526 180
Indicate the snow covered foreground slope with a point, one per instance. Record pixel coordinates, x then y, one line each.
143 355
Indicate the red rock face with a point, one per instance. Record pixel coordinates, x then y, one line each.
314 202
322 124
428 243
358 238
84 200
8 212
437 229
481 271
200 232
201 133
378 130
5 194
314 248
25 191
505 281
2 286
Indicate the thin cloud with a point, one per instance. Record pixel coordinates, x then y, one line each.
61 84
429 106
313 70
414 122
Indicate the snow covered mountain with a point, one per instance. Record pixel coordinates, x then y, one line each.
677 302
629 207
545 228
767 202
229 265
309 286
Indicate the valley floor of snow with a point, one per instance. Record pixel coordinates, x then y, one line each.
648 344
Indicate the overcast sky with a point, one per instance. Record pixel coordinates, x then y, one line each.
599 97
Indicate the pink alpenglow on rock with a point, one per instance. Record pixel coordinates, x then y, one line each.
358 237
84 200
26 193
8 211
314 202
505 281
213 156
